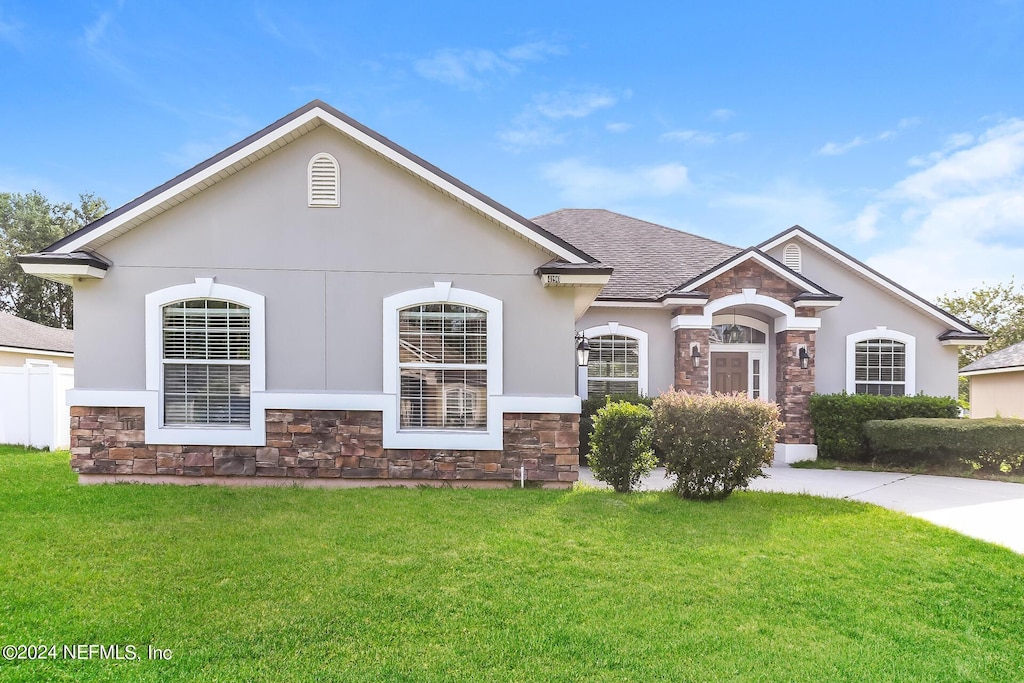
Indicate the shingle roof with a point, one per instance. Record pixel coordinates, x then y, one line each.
648 259
1010 357
23 334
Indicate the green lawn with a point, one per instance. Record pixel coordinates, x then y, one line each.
423 584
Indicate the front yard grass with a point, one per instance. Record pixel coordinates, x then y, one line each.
289 584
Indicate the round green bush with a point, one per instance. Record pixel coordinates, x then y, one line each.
620 445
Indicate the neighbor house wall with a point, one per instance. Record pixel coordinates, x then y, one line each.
324 273
865 306
999 394
15 359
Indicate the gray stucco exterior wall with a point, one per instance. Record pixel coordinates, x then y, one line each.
865 306
324 273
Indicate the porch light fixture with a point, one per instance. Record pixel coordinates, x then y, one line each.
695 355
733 333
582 350
805 357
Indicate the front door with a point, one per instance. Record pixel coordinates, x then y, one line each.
728 372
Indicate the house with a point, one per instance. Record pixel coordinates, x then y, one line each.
997 383
318 303
36 370
789 317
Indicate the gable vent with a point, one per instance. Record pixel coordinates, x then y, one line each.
791 257
323 180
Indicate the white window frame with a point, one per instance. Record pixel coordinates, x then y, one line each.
492 438
319 203
910 357
614 328
206 435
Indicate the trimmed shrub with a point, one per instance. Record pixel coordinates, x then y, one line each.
591 406
990 445
714 443
838 419
620 446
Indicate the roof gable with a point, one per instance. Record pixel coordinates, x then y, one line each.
758 256
278 134
873 276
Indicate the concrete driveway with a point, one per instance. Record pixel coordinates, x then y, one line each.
990 510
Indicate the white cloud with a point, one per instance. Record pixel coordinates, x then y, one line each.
572 104
462 68
963 214
778 206
525 136
722 114
532 127
693 137
738 136
836 148
584 184
618 127
535 51
11 32
469 69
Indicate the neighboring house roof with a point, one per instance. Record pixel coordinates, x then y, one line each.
255 147
1010 359
18 333
649 260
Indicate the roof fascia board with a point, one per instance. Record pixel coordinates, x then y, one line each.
762 258
993 371
404 161
867 272
36 352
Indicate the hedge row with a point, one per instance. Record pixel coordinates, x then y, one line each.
988 445
838 419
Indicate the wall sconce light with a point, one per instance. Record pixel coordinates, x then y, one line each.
695 354
805 357
582 350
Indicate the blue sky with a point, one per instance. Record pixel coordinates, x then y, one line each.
892 129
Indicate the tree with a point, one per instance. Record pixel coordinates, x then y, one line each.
29 223
997 310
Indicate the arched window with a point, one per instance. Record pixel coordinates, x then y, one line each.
881 362
442 360
205 359
791 257
443 369
323 180
618 360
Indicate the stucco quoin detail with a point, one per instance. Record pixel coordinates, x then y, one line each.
326 445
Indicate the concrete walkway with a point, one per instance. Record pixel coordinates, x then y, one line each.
990 510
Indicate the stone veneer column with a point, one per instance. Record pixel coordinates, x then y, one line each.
687 377
794 386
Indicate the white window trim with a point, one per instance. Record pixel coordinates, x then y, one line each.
314 203
623 331
492 438
910 349
205 288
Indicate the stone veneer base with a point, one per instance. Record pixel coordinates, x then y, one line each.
176 480
344 448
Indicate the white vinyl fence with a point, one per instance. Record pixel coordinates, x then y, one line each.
32 405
